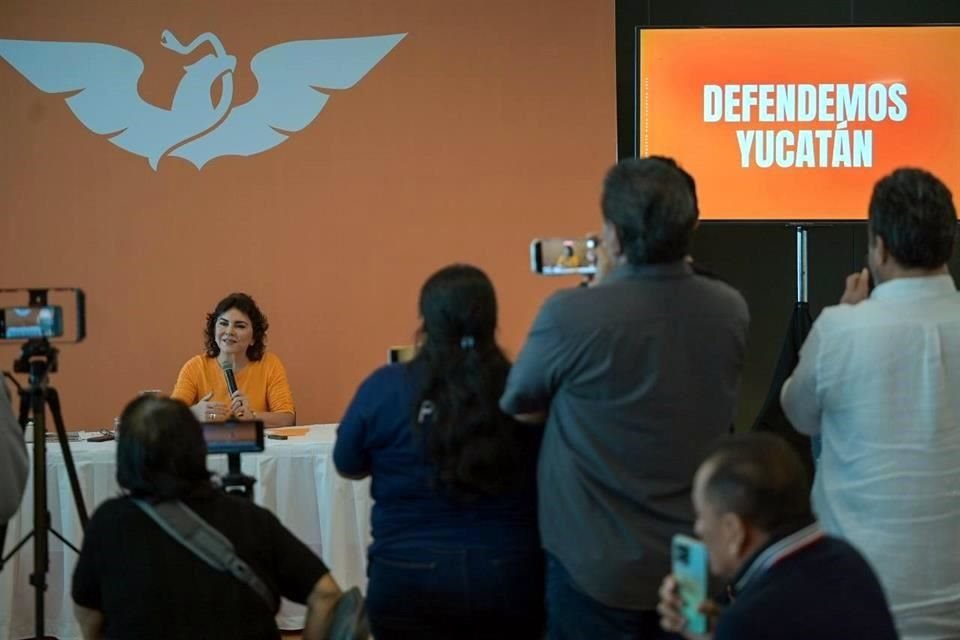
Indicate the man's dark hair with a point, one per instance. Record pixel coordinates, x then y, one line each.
652 205
474 445
912 210
760 478
161 452
691 183
244 303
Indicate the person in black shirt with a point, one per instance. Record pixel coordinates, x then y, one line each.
787 580
133 580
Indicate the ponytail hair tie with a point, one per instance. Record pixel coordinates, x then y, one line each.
426 411
467 342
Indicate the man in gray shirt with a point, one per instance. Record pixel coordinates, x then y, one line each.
636 378
13 460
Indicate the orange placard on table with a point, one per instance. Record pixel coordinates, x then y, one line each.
290 432
798 123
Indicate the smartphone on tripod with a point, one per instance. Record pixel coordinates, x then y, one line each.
39 322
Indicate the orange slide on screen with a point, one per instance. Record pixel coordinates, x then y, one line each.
797 124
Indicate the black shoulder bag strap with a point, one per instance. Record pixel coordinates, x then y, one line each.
205 542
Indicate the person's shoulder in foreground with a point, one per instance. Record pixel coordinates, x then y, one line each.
383 386
826 591
15 462
133 580
617 289
216 502
378 404
787 580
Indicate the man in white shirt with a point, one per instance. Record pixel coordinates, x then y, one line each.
879 380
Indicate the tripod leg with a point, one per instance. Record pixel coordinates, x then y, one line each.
41 514
24 407
53 399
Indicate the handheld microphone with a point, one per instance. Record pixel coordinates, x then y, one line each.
231 379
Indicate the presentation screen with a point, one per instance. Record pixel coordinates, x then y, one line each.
797 124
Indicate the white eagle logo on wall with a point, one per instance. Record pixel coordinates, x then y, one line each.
103 79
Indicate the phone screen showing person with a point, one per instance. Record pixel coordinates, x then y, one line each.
233 436
690 569
564 256
25 323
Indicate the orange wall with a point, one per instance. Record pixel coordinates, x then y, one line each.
490 123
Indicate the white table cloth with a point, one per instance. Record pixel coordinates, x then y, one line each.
296 480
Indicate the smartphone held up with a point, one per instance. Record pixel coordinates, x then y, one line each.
690 569
564 256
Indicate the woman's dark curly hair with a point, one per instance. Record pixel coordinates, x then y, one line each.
473 444
245 304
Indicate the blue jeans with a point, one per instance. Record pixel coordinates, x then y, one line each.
456 593
573 615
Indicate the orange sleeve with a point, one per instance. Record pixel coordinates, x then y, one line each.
279 396
187 388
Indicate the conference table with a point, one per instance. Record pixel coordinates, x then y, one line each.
296 480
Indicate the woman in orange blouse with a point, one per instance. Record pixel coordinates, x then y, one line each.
236 335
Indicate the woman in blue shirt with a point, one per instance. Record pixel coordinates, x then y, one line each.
455 552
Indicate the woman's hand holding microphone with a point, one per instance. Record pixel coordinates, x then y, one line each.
240 406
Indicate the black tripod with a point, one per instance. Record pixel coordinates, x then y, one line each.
235 482
39 358
772 418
